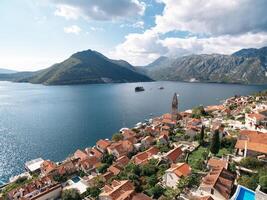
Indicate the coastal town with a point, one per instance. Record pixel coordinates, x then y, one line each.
216 152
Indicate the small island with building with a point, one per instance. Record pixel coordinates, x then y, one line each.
215 152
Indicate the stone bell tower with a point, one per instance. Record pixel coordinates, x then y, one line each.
175 105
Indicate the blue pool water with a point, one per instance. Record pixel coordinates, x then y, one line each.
75 179
245 194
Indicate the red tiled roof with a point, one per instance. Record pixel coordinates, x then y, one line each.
90 162
80 154
219 179
142 157
180 169
216 162
114 169
214 108
122 147
167 116
123 160
253 146
174 154
103 144
254 136
48 166
118 190
128 133
256 116
255 141
148 139
95 152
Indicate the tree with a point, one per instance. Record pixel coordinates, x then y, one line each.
250 182
263 183
107 159
200 164
215 142
71 194
117 137
152 180
171 193
201 136
232 167
199 111
194 180
251 163
93 192
156 191
103 168
228 143
183 183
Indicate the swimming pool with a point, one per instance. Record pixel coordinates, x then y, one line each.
243 193
76 179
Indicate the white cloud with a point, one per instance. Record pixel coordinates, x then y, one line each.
68 12
217 17
141 49
225 44
93 28
72 29
138 24
228 26
99 9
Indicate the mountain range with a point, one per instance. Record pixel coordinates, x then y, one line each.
6 71
247 66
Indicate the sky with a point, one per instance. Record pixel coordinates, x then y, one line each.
36 34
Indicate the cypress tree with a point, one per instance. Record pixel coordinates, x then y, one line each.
215 142
201 136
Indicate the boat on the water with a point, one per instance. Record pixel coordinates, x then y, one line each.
139 89
161 88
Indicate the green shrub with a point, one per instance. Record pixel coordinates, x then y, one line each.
71 194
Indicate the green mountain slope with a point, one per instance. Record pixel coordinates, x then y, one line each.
235 68
88 67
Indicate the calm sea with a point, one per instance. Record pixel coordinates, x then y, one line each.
53 121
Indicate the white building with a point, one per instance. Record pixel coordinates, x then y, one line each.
175 173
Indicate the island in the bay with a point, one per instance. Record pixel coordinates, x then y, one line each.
215 152
246 66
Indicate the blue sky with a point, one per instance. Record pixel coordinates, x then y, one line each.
36 34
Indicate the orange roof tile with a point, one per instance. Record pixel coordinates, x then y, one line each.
95 152
216 162
48 166
118 190
180 169
219 179
256 116
174 154
103 144
253 146
114 169
142 157
123 160
80 154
